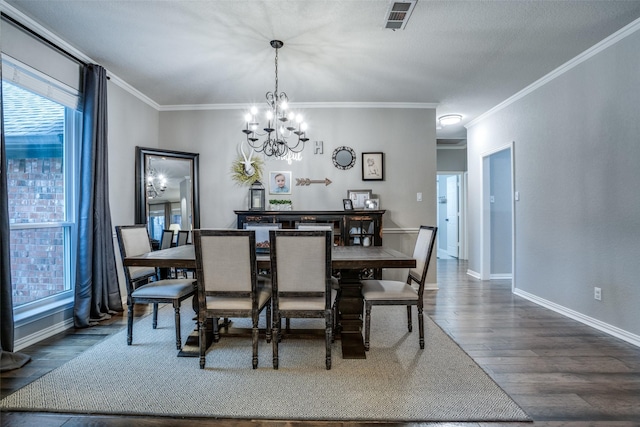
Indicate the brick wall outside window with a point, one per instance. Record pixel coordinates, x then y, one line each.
36 195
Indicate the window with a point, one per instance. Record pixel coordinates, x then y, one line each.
42 137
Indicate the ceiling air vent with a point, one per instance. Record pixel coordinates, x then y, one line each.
398 14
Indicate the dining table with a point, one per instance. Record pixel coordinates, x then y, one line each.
349 262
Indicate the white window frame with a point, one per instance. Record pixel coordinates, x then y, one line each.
28 78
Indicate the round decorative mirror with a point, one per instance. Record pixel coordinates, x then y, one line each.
344 157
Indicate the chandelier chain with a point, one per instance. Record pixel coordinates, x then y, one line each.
277 94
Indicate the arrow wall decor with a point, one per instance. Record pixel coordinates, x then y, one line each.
307 181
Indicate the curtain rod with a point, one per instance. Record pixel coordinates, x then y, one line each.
43 39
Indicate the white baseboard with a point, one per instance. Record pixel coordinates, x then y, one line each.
42 334
589 321
431 286
504 276
474 274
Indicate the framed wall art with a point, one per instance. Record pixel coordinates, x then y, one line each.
372 204
358 197
280 182
373 166
348 204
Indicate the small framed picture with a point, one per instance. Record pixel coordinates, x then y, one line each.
373 166
358 197
348 204
280 182
372 204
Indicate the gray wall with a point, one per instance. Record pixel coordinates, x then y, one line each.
409 149
576 169
452 159
131 123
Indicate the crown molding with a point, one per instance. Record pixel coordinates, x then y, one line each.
587 54
133 91
307 105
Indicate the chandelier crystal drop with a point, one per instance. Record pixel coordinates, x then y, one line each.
285 131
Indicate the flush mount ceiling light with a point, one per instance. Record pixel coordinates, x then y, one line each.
284 131
449 119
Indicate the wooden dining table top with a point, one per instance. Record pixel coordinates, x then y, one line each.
342 257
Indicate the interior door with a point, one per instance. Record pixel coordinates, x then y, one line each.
452 216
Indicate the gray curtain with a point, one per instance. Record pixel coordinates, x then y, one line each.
8 359
97 292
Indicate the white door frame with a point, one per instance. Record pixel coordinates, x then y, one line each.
463 251
485 217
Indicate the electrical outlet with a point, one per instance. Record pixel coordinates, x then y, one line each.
419 197
597 294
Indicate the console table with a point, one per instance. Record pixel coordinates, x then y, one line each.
350 228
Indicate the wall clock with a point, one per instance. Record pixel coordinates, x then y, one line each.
344 157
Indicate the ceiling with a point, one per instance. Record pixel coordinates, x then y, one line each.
464 56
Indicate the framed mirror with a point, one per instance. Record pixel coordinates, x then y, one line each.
344 158
167 190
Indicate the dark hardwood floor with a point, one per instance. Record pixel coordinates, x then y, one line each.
561 372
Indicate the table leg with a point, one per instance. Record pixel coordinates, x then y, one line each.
350 315
191 347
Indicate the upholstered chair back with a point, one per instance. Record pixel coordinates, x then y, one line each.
422 254
300 256
135 241
228 260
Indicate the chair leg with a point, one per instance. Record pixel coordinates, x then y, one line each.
176 309
327 339
288 324
333 323
268 331
155 315
130 324
421 326
202 337
254 342
275 337
409 324
216 329
334 319
367 324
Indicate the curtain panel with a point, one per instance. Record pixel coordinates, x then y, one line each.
97 291
8 359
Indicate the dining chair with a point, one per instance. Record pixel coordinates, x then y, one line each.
183 237
301 281
134 240
409 293
167 239
226 270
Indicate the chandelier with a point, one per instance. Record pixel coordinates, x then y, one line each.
285 131
156 183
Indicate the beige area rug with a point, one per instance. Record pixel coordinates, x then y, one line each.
397 381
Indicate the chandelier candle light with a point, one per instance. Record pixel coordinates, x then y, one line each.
282 124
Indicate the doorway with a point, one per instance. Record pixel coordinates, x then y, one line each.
497 234
451 215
